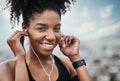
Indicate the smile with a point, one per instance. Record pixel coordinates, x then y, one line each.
47 46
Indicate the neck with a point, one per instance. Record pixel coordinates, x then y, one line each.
46 70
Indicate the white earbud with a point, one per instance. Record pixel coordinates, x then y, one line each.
25 30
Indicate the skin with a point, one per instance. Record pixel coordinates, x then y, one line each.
43 29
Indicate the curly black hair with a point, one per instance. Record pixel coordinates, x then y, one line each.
27 8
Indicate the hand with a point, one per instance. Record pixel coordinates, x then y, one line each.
70 46
16 43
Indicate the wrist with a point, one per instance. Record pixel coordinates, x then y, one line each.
20 57
79 63
75 58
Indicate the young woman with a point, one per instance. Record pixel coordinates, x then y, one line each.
42 24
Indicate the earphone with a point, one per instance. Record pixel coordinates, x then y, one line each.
24 30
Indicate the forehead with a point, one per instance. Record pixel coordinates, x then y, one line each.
46 15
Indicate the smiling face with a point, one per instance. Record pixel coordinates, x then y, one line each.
44 31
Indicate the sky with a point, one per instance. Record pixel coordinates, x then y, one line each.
94 18
87 19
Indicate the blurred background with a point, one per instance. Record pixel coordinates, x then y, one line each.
96 23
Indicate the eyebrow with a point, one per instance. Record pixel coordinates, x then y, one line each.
59 24
45 25
42 24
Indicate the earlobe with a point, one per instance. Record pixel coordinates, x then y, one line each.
24 26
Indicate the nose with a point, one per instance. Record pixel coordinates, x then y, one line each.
50 36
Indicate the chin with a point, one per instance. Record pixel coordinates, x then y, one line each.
46 53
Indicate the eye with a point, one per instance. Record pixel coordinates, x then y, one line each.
40 28
57 29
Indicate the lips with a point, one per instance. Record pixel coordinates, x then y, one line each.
48 46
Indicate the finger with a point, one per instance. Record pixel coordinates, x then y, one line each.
67 40
75 39
22 40
16 36
62 41
62 37
14 33
61 44
22 37
23 33
70 39
18 33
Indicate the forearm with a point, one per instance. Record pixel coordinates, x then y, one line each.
20 70
82 72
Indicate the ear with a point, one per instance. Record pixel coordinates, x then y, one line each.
24 27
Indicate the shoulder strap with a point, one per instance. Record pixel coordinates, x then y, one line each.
29 74
63 72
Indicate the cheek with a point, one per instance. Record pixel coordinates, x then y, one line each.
33 36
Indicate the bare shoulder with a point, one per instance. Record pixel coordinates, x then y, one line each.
9 64
66 61
68 64
7 69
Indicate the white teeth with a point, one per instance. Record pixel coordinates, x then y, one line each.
47 45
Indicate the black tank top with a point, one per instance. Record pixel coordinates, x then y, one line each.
63 73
